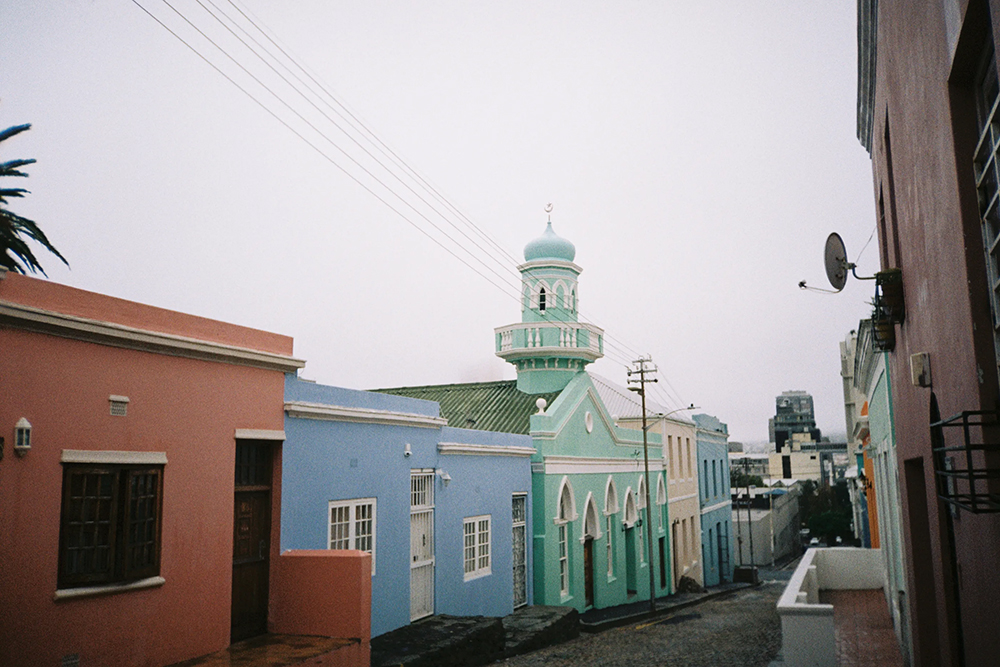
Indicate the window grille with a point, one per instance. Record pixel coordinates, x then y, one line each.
520 551
965 465
987 172
421 489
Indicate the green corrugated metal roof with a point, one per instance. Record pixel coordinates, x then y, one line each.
484 406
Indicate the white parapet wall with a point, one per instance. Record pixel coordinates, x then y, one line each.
807 630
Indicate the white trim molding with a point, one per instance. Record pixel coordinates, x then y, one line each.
677 499
258 434
53 323
339 413
112 457
568 465
716 506
91 591
484 450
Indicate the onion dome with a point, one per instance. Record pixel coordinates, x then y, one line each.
549 246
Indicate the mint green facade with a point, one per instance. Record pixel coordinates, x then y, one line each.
600 472
590 520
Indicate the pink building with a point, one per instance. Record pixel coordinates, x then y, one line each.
140 477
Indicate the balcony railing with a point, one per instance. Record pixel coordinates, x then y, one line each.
558 335
811 629
967 468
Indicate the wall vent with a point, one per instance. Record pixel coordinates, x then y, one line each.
119 405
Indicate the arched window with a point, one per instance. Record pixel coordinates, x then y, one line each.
640 499
541 300
631 513
567 508
591 522
610 497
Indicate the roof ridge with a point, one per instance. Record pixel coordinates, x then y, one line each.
463 385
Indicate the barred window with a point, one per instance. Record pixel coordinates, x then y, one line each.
110 525
352 525
476 546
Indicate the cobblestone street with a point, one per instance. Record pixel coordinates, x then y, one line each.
742 629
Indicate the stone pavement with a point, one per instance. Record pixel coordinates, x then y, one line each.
465 641
738 628
598 620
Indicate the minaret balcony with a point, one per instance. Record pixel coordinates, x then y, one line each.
556 339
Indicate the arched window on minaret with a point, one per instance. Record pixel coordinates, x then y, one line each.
541 300
572 301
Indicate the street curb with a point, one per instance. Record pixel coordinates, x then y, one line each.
627 619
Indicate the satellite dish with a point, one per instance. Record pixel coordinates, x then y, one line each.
837 266
835 260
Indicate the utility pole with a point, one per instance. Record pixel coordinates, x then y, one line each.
642 371
746 472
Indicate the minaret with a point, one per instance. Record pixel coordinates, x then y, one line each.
550 345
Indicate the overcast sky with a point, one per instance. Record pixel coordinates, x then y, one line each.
696 153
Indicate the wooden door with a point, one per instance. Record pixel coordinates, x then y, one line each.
251 541
588 570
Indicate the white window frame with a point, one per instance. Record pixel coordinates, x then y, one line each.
609 520
480 564
564 560
352 537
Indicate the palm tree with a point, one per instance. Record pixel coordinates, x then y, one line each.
15 254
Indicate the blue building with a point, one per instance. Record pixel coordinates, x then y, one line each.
444 511
716 503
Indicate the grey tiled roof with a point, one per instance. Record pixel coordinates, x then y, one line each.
484 406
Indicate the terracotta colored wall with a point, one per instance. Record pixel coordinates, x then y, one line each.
80 303
322 592
186 408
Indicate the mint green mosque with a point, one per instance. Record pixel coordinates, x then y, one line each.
588 489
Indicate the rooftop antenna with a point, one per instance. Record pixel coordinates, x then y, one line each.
837 266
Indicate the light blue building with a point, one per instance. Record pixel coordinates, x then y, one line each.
716 503
444 511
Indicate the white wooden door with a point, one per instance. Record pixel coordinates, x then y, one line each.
421 544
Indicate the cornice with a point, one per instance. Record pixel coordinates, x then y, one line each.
39 320
567 465
535 264
324 412
484 450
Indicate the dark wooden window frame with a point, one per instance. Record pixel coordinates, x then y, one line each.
110 524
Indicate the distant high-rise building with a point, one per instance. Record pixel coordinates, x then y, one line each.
793 414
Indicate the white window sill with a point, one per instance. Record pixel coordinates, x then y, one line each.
477 575
110 589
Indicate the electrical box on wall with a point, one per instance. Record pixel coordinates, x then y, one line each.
920 369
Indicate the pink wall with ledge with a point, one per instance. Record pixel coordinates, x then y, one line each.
187 408
320 592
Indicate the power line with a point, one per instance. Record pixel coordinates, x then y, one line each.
611 342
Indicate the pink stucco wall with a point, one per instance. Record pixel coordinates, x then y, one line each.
188 409
325 593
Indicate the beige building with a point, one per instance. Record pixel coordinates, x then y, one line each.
800 461
680 461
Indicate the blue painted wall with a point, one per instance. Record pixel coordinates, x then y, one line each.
713 495
327 460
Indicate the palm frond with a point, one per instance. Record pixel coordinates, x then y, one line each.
15 253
